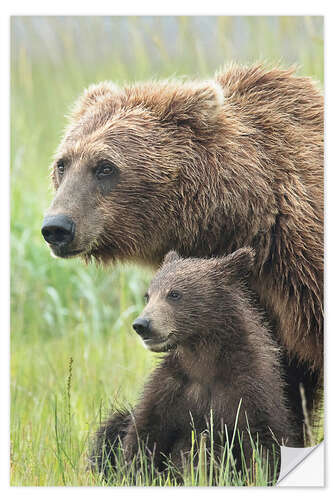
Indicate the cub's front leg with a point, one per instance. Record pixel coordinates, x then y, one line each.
107 440
147 438
154 426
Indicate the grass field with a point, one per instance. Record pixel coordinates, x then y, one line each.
72 350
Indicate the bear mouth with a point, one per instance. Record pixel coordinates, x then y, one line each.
159 345
65 254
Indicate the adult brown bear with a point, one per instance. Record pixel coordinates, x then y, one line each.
205 168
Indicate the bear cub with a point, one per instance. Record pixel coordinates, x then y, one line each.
221 366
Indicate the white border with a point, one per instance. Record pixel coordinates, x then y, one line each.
125 7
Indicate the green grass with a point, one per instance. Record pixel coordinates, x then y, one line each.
202 464
64 310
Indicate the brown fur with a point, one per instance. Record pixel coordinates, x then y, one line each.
221 356
206 175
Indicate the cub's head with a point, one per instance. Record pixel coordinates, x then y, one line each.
189 298
126 159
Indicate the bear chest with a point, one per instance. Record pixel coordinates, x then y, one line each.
202 397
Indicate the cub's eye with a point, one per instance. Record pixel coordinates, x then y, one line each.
60 167
146 297
174 295
105 169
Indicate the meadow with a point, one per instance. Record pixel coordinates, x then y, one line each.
73 353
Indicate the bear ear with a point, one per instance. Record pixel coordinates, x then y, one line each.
171 256
238 264
196 104
104 93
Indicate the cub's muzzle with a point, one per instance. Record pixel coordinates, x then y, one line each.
142 327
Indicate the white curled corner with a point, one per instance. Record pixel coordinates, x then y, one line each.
291 458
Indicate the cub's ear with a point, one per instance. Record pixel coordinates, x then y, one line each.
171 256
106 93
238 264
196 104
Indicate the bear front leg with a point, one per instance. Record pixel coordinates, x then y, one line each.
154 420
108 439
144 439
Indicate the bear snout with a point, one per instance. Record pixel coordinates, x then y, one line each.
58 230
142 327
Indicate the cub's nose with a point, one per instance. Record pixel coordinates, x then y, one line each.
141 326
58 230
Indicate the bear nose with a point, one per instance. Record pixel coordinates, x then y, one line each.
58 230
141 326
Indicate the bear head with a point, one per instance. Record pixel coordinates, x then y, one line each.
192 298
128 162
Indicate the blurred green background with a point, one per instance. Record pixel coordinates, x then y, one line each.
63 310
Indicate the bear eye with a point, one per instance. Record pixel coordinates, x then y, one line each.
174 295
105 169
61 167
146 297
